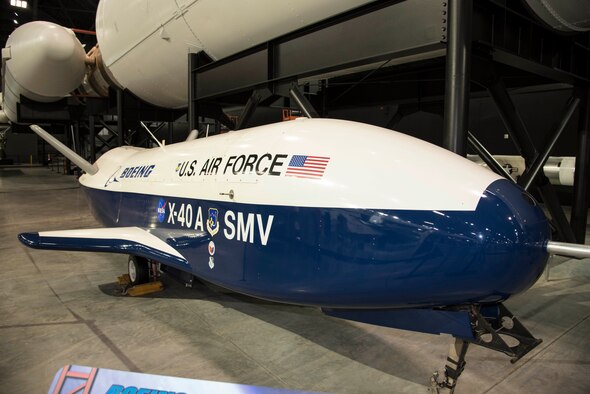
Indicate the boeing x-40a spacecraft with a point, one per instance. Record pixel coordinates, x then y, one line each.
364 222
281 212
366 230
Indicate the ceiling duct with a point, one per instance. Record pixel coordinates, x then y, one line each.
568 16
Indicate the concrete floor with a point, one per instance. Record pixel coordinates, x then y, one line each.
60 308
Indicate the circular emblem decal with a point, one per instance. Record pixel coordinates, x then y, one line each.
161 210
211 248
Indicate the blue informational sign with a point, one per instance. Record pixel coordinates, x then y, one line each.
88 380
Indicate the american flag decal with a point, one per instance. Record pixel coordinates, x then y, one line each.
302 166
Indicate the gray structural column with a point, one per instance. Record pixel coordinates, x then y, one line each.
512 120
303 102
457 75
92 138
170 133
526 147
77 142
192 115
120 118
579 215
248 110
487 157
533 170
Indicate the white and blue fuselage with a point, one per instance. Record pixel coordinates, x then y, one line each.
320 212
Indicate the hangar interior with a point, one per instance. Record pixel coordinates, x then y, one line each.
504 82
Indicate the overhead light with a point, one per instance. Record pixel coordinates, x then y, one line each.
15 21
19 3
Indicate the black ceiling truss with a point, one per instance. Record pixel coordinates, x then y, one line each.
506 48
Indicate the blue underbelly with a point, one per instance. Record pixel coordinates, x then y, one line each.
354 258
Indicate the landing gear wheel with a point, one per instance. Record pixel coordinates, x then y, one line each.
139 271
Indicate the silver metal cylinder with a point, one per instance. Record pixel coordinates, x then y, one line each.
567 249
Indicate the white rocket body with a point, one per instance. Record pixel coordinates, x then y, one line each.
144 45
42 61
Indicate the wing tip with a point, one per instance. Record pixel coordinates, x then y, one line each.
29 239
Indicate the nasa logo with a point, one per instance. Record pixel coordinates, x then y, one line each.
161 210
211 262
213 221
211 248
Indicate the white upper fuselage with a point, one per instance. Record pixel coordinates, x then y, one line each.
364 167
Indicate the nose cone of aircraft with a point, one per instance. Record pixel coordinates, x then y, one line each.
514 233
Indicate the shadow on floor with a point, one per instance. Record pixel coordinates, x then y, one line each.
339 336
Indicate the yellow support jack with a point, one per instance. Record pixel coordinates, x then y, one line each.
123 280
146 288
138 290
136 282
